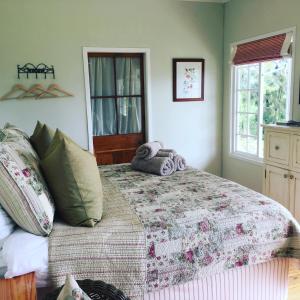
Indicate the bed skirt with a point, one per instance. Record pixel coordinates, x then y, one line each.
267 281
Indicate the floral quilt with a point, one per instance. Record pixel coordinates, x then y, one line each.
196 224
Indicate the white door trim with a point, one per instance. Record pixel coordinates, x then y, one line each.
147 73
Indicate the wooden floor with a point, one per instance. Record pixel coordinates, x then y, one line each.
294 281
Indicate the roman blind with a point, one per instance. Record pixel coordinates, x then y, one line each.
269 48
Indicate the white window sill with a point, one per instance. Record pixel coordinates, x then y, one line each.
247 158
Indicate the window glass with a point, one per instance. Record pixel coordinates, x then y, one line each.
261 97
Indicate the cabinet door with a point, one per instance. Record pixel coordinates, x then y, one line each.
296 152
277 185
295 194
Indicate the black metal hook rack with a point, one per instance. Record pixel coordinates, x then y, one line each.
41 68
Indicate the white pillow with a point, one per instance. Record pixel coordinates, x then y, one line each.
24 252
7 225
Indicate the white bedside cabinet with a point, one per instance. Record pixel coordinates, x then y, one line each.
282 166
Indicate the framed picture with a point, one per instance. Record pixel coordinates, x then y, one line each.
188 79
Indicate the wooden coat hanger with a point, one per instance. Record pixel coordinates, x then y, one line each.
16 88
36 91
57 88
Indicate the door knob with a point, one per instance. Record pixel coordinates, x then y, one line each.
277 147
285 176
291 176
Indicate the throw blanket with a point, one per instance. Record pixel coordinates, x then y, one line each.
113 251
163 166
148 150
194 224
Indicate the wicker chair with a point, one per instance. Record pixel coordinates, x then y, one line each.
96 290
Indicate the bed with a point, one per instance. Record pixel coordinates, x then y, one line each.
191 235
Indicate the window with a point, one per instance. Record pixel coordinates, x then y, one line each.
117 93
261 95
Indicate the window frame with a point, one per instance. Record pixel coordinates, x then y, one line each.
255 159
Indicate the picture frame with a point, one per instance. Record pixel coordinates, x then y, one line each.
188 79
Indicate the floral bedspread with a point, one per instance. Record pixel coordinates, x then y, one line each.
198 224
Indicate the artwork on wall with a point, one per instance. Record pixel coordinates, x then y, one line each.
188 79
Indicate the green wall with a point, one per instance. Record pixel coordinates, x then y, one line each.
55 31
245 19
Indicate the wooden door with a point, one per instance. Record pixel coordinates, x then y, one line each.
277 185
118 105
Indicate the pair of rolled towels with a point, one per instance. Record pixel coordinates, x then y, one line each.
152 158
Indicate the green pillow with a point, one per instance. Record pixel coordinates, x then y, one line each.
37 129
57 138
41 140
74 181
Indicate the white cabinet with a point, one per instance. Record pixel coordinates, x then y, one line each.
282 166
277 185
295 194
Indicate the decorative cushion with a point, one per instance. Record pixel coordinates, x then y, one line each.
72 291
11 133
74 181
37 129
41 139
59 136
23 193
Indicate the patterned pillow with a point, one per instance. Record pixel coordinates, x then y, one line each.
23 192
11 133
17 138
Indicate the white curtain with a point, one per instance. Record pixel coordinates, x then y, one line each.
123 115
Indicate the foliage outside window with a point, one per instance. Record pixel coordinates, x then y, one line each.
261 96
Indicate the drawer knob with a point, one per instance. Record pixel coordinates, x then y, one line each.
285 176
277 147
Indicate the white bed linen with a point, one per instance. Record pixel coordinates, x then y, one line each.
266 281
24 253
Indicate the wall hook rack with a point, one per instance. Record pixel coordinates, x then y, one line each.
41 68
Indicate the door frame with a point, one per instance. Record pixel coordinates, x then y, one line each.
147 84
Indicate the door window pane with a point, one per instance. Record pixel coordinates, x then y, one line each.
102 79
130 115
128 76
104 117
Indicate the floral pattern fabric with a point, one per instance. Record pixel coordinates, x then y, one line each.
198 224
23 192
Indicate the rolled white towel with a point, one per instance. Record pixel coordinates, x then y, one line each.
162 166
148 150
166 153
179 162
